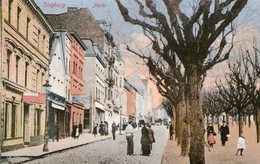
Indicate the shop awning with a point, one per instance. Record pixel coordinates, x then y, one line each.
56 106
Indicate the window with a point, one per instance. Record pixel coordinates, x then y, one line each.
37 79
43 43
38 38
37 122
27 27
26 74
17 68
10 120
18 17
9 52
10 6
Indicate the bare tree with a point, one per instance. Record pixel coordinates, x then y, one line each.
190 38
254 61
239 88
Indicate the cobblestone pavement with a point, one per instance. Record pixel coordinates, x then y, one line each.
110 151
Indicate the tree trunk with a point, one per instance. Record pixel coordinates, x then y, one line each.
196 117
185 142
257 124
240 123
227 118
178 125
249 120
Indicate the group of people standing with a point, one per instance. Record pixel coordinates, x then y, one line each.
147 139
103 128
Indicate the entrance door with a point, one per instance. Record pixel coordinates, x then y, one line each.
26 134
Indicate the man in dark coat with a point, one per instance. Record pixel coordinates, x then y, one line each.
224 131
114 130
146 150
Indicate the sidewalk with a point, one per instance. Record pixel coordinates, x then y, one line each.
28 153
220 154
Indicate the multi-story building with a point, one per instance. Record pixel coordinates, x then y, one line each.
77 81
24 61
95 88
130 101
88 28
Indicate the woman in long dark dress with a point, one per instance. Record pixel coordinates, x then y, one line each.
145 142
95 129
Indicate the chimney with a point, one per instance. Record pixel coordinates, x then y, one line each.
69 9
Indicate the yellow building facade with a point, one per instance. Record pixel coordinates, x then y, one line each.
24 62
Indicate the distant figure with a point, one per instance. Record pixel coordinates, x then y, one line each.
145 141
129 131
74 127
80 128
224 132
106 128
77 133
171 131
101 128
210 129
151 136
114 130
211 140
95 129
241 144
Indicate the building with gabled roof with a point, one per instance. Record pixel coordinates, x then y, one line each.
80 21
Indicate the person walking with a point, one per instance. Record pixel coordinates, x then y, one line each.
77 133
210 129
211 140
114 130
101 128
224 133
171 131
241 144
151 136
95 129
129 131
146 150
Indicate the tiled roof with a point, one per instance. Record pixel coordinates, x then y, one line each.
80 21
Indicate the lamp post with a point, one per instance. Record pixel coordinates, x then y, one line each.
120 121
46 88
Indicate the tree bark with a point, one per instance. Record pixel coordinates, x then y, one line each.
240 123
195 116
257 124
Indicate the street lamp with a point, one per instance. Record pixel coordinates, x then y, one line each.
46 88
120 120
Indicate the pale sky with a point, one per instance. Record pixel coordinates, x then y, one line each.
248 27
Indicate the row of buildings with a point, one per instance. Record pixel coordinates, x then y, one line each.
77 55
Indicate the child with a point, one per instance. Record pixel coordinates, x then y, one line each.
241 144
211 140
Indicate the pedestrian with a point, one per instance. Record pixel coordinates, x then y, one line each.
114 130
171 130
210 129
129 131
106 128
101 128
241 144
80 128
77 133
151 136
74 128
146 150
211 140
95 129
224 133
